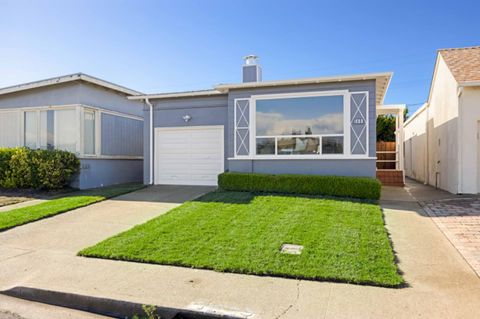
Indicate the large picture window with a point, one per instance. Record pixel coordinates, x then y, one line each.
310 125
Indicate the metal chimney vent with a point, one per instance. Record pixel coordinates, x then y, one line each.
252 72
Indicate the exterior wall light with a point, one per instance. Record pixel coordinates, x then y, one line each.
187 118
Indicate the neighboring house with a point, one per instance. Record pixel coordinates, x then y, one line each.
442 137
81 114
323 126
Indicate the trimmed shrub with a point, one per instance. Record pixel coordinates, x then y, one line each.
39 169
342 186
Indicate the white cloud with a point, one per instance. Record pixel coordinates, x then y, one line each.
276 124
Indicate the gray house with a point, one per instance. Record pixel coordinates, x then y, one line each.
82 114
323 126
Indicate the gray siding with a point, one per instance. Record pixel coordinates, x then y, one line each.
98 96
60 94
344 167
77 92
121 136
104 172
169 113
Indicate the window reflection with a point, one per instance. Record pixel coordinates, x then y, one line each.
300 116
298 145
265 146
332 145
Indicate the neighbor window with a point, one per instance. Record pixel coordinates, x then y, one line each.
311 125
89 132
66 130
47 130
30 129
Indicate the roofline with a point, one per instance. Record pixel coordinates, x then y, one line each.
415 114
176 95
389 80
469 83
65 79
461 48
434 75
323 79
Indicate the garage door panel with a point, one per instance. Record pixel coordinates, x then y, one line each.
189 156
206 156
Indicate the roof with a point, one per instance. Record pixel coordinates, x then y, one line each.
382 83
464 63
68 78
197 93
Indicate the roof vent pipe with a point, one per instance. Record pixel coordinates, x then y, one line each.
252 72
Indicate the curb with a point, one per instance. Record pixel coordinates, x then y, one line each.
104 306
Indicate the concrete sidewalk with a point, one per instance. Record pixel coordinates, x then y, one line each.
43 255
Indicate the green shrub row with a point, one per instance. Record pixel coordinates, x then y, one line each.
342 186
39 169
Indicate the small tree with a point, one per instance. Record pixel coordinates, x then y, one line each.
386 127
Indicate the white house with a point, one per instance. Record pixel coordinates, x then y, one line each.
442 137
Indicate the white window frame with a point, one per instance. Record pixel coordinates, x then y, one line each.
96 132
346 127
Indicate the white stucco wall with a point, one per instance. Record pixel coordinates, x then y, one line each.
470 153
443 137
432 136
415 145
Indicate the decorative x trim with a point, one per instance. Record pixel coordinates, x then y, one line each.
358 110
241 133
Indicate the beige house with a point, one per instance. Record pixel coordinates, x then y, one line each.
442 145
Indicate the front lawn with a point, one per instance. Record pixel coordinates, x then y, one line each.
20 216
242 232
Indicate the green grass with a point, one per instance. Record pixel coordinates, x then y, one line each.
241 232
24 215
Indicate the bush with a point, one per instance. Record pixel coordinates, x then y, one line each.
40 169
342 186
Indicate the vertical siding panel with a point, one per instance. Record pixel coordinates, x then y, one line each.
121 136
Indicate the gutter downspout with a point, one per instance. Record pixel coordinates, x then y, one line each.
151 141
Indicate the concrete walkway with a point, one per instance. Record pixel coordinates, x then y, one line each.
43 255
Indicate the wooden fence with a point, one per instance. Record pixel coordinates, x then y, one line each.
386 155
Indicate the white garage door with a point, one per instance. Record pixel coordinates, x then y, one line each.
188 155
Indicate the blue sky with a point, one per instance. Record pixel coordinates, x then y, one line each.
158 46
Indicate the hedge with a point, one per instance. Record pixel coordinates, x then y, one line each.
342 186
39 169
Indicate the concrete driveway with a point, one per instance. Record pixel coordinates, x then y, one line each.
43 255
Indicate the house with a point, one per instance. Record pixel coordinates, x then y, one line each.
442 137
82 114
323 126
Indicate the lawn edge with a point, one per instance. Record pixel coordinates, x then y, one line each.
396 259
240 272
